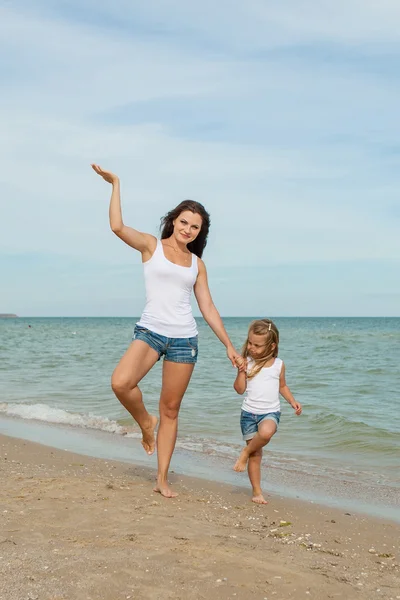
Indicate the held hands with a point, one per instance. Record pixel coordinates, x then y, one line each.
232 355
297 408
106 175
241 363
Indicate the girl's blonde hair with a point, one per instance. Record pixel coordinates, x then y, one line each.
268 329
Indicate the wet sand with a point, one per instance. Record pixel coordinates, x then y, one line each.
74 527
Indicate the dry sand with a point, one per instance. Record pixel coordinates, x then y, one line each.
73 527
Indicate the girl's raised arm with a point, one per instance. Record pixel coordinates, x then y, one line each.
143 242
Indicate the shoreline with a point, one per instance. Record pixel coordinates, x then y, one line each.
344 490
76 527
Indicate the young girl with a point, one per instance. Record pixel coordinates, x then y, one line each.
261 374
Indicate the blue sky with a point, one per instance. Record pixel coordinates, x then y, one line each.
282 118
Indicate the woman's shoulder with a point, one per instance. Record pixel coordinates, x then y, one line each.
152 241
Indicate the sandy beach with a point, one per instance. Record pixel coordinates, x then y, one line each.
74 527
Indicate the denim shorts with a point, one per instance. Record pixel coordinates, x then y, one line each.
249 422
178 350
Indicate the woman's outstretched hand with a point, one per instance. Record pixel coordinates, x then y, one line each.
106 175
233 355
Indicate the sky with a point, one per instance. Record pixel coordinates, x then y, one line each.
281 118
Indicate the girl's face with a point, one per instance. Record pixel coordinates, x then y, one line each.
187 226
256 345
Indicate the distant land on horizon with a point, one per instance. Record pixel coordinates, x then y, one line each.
7 316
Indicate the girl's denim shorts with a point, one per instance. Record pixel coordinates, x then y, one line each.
249 422
179 350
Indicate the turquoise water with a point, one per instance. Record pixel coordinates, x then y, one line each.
345 372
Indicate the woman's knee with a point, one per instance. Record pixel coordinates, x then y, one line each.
169 411
120 384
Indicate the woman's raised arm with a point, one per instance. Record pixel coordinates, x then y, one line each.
143 242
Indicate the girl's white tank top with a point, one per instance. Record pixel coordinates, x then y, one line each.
262 392
169 287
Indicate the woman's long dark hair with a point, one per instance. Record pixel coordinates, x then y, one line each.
167 227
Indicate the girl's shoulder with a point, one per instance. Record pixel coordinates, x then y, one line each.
278 362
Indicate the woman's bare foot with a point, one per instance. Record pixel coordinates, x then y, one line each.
240 464
164 490
259 499
148 439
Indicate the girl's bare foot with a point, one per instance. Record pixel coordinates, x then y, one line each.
148 437
240 464
164 490
259 499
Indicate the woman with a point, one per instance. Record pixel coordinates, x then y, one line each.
172 269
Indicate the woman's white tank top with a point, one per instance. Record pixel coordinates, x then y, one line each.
168 309
262 392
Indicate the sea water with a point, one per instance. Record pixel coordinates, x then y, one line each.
344 371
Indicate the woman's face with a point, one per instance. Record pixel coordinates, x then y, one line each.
187 226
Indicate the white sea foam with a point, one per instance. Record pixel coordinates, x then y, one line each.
49 414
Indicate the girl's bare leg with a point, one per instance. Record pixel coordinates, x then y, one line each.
254 471
176 377
265 432
133 366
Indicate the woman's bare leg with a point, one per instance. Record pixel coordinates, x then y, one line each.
133 366
176 377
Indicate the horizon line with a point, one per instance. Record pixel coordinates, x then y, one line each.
9 318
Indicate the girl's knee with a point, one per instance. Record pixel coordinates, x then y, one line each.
257 453
266 432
